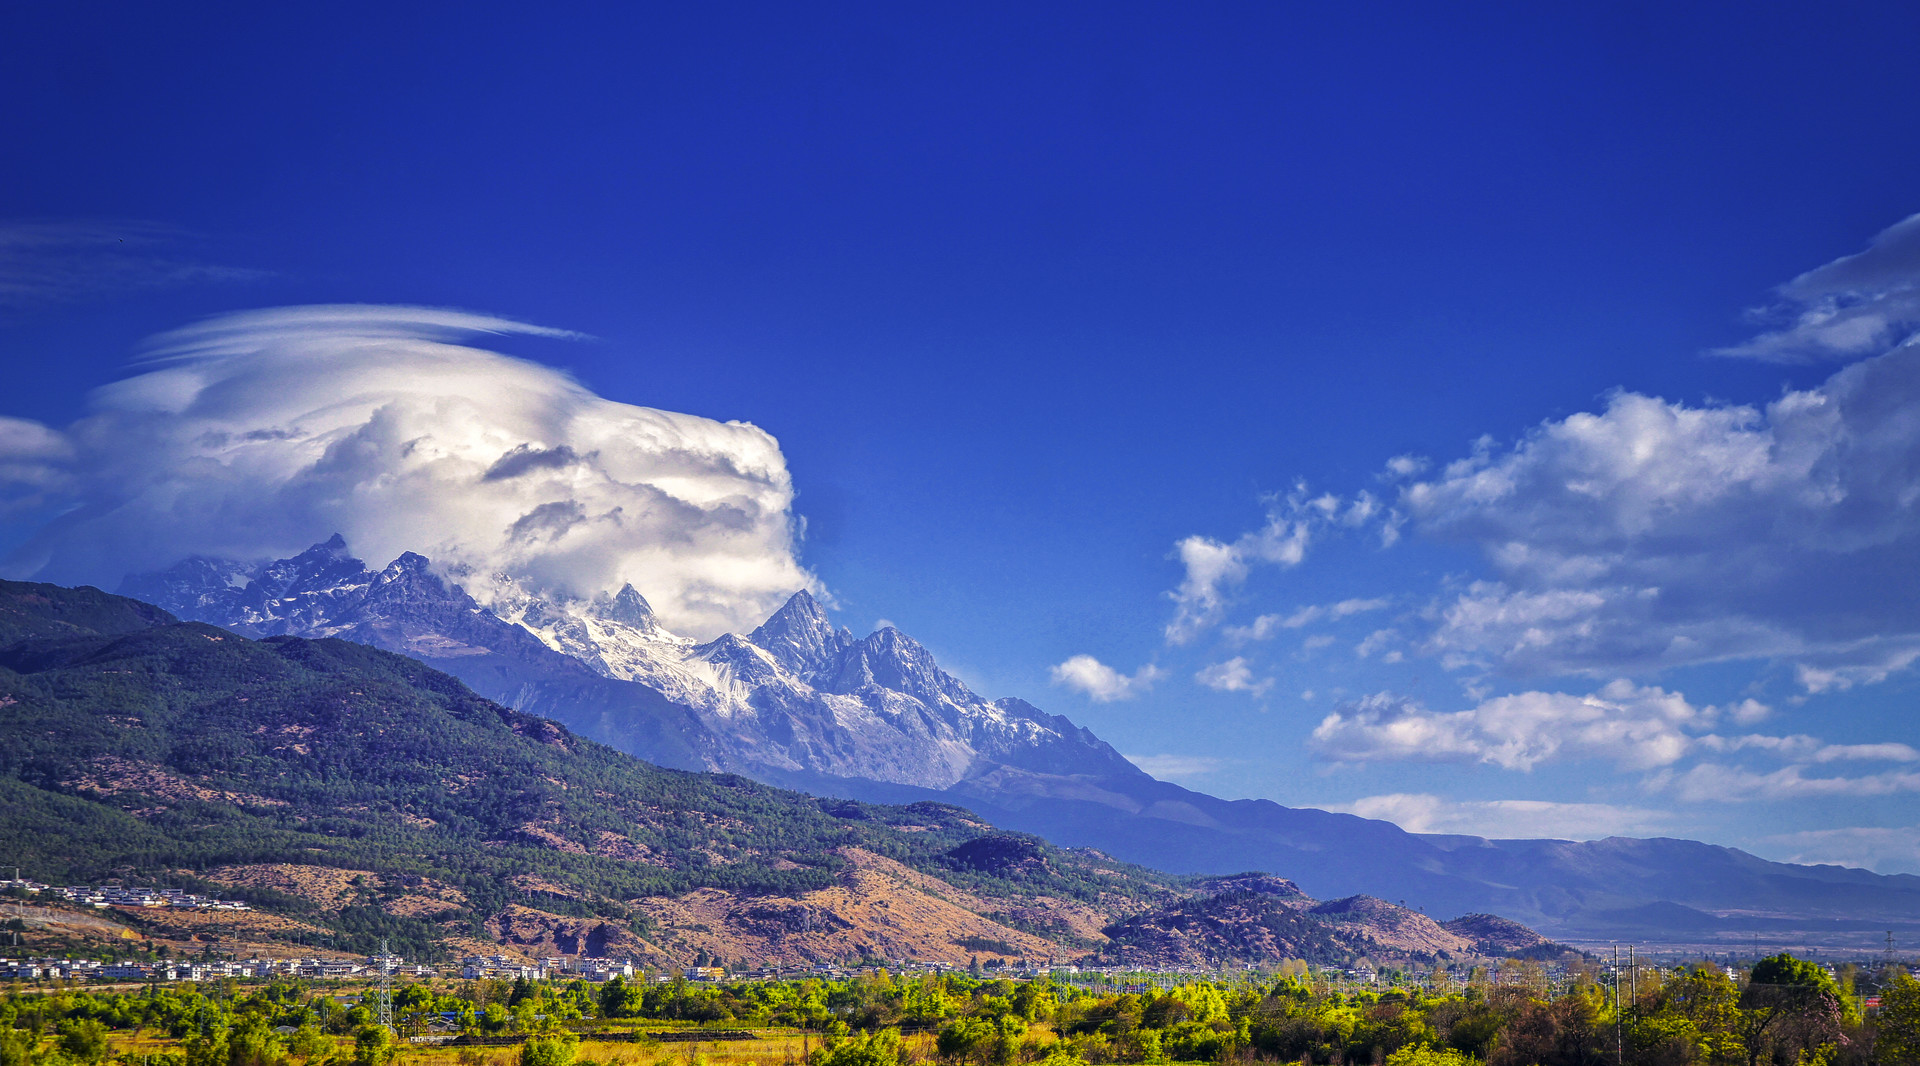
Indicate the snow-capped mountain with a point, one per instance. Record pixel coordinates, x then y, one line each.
799 702
795 696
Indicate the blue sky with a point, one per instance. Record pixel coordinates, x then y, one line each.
1044 303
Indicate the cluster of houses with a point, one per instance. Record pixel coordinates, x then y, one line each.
97 970
584 968
476 967
201 969
105 896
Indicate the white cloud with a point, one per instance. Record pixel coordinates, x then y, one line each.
1885 849
1175 767
1102 683
1374 642
1637 728
1506 819
1717 782
1214 568
1234 675
1268 625
1656 534
1803 748
1856 306
33 463
256 434
1405 466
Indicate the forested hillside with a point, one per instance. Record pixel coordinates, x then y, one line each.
352 794
136 748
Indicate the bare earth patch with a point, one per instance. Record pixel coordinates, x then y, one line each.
879 907
107 776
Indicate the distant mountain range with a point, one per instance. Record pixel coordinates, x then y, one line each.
802 704
354 796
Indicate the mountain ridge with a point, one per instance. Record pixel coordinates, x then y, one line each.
803 704
354 792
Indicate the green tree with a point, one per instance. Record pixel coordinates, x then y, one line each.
308 1041
1790 1012
373 1046
1422 1055
16 1047
619 999
864 1049
549 1049
85 1039
1898 1023
963 1038
207 1047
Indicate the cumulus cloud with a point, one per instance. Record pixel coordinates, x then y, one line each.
1102 683
1419 812
1655 534
1637 728
254 435
1405 466
1856 306
1234 675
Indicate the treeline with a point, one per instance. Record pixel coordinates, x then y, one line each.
1786 1012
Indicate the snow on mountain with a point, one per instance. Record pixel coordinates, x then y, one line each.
797 695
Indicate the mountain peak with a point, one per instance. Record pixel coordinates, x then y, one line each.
801 605
331 550
410 563
627 607
800 635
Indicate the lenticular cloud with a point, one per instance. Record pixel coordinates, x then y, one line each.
254 435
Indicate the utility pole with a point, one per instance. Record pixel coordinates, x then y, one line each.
1633 976
386 987
1619 1032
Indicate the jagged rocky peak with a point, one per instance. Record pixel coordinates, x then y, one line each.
744 661
407 585
800 637
326 565
892 660
628 608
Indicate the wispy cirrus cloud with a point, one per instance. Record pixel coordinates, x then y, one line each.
1710 782
58 261
1267 626
1213 569
1888 849
1421 812
1176 767
1856 306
